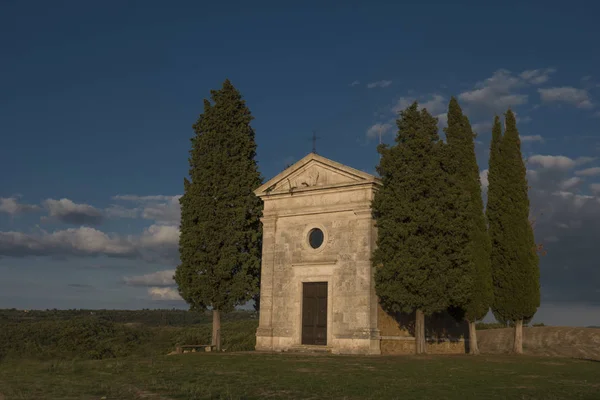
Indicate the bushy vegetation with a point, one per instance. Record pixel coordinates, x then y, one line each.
72 335
157 317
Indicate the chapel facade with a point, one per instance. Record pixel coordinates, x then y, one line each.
317 287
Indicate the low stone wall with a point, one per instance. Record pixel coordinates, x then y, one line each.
407 346
444 334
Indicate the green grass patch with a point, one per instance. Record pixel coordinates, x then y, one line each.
296 376
96 339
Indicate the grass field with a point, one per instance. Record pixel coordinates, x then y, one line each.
297 376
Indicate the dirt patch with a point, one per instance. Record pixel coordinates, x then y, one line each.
145 394
276 393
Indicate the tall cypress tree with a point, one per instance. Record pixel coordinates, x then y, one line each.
220 239
515 263
460 138
417 215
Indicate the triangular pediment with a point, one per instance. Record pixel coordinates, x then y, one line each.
311 172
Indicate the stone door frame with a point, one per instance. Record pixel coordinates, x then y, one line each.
299 300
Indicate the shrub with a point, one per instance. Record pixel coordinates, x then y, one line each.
95 338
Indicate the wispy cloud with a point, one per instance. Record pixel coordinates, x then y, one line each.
579 98
12 206
159 208
164 293
537 76
570 183
355 83
69 212
158 278
495 94
558 162
379 84
532 138
378 130
594 171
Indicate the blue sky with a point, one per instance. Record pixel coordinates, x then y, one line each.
97 101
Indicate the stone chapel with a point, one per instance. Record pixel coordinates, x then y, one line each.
317 289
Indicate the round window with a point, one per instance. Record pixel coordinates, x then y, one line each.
315 238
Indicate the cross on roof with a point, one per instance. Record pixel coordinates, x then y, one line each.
314 142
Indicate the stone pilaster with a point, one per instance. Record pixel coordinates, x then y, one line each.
264 333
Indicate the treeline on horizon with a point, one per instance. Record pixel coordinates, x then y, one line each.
147 317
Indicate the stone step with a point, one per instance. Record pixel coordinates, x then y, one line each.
310 349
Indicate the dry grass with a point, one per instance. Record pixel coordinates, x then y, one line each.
544 341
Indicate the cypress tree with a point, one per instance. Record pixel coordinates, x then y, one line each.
515 263
417 216
460 138
220 239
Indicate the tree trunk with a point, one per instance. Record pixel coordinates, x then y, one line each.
473 347
216 332
419 332
518 346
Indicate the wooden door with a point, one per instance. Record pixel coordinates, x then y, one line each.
314 313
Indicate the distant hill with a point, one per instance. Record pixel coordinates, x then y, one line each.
544 341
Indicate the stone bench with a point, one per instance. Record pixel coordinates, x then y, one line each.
194 348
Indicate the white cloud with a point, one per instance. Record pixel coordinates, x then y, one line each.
118 211
355 83
537 76
483 178
379 84
160 208
379 129
164 293
156 243
532 138
11 206
578 200
435 104
584 160
588 172
158 235
481 127
566 94
142 199
81 241
67 211
158 278
554 162
532 175
570 183
495 94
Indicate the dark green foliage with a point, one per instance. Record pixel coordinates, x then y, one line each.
220 240
491 325
420 215
514 258
94 338
146 317
461 145
83 337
